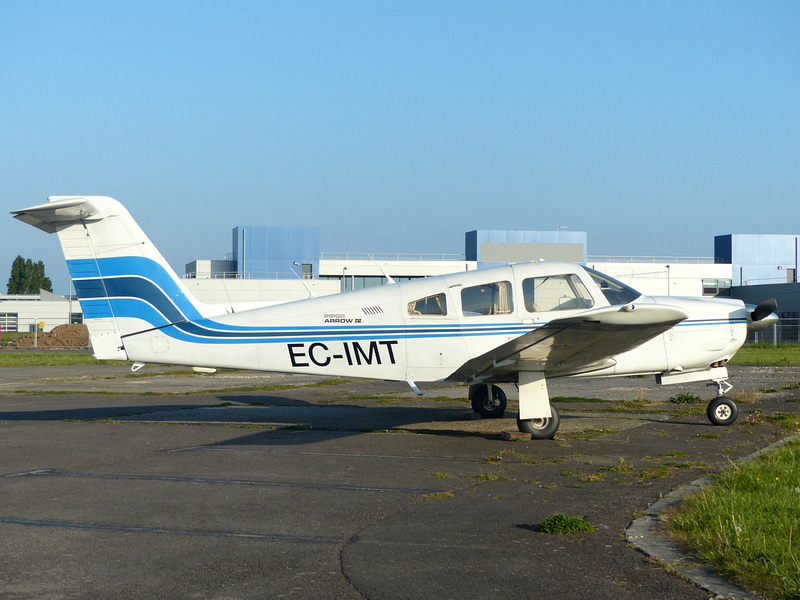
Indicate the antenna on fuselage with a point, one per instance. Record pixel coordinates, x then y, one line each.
311 293
385 274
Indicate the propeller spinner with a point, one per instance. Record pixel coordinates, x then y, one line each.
762 316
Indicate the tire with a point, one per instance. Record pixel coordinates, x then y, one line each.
488 408
722 411
540 429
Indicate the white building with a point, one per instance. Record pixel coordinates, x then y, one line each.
24 313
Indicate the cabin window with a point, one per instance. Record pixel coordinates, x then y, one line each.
487 299
557 292
430 305
615 291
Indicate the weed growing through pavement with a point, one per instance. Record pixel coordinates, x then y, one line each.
564 524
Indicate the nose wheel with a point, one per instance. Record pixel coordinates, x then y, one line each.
722 410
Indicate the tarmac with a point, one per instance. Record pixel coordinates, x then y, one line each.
170 484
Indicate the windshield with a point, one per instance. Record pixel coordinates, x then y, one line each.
615 291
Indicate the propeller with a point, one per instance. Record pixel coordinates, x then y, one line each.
764 309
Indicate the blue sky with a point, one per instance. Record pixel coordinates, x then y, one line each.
398 126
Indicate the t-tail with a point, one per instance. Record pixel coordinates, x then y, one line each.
123 282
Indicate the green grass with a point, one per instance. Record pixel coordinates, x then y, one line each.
51 359
746 524
767 355
576 399
685 398
559 523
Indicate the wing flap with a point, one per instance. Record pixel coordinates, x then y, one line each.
576 344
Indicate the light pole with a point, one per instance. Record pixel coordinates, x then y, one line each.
668 282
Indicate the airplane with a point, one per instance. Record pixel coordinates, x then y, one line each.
522 323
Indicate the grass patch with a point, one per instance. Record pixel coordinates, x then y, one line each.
439 495
767 355
785 420
562 524
588 434
328 382
745 524
623 466
685 398
627 407
676 453
655 473
52 359
688 411
485 477
576 399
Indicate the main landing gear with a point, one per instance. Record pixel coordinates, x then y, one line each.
543 428
722 410
488 406
490 402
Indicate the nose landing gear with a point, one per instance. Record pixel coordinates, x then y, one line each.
722 410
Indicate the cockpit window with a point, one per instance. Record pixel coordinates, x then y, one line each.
430 305
487 299
615 291
556 292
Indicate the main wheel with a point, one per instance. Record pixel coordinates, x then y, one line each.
488 407
540 429
722 411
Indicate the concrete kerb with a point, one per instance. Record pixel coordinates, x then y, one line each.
642 533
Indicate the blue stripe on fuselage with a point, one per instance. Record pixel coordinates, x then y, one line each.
140 288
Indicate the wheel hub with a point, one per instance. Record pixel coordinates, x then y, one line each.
491 402
723 411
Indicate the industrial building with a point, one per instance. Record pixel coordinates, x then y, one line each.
278 264
277 258
41 311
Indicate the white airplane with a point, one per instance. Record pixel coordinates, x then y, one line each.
520 323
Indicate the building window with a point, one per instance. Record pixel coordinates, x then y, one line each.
9 321
717 287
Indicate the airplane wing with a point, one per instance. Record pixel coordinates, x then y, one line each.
576 344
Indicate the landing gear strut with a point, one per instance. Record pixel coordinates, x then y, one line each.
722 410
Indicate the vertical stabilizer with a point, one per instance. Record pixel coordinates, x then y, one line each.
123 283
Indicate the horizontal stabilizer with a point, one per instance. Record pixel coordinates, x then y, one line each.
62 211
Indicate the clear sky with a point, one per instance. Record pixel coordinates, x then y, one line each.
398 126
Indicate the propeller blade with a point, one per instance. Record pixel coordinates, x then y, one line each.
764 309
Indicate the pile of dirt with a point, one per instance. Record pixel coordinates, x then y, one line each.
68 337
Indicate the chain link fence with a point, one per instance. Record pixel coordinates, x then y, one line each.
785 331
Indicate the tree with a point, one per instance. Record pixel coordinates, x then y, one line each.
28 277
